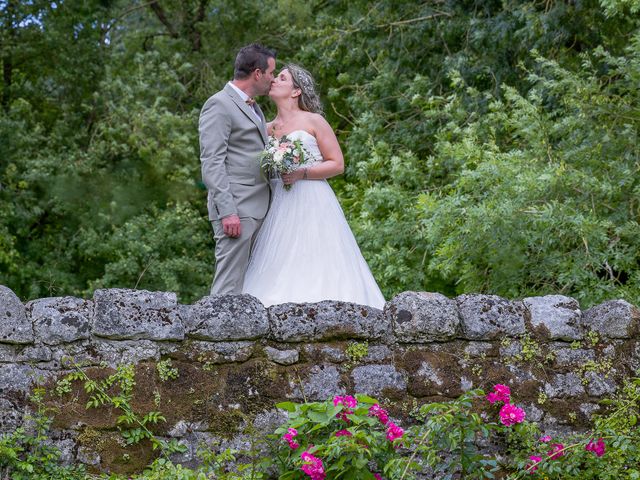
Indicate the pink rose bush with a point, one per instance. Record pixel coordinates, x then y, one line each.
288 437
354 437
328 449
501 393
596 447
394 432
380 413
557 451
348 402
533 465
509 414
312 466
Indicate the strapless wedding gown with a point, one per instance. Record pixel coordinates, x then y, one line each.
305 250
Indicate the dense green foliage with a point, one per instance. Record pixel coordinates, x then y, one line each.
491 146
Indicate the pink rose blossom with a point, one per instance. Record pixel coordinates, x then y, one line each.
501 393
596 447
312 466
343 433
545 439
288 437
557 451
381 413
510 414
378 476
533 466
347 400
394 431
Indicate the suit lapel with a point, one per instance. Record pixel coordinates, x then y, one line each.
248 111
263 124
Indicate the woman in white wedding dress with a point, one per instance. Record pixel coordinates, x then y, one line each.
305 250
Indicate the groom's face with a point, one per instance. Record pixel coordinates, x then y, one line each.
263 82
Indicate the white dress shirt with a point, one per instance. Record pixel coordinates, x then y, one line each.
244 98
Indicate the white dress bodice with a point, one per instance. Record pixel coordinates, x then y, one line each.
305 251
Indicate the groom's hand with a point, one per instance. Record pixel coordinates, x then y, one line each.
231 226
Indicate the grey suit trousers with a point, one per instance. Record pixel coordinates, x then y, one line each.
232 256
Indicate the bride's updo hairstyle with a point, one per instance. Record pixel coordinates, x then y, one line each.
308 100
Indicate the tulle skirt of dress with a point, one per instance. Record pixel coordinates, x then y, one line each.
306 252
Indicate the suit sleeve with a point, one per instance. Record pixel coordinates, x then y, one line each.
215 128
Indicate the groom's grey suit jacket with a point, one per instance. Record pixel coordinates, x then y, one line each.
231 139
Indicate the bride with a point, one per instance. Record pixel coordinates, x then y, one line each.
305 251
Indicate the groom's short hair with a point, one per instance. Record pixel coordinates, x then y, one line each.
251 57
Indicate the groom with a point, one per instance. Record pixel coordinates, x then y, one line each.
232 135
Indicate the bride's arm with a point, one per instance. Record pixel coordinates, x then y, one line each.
333 163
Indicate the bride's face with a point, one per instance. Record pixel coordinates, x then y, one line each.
282 86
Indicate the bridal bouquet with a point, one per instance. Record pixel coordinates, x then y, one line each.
282 156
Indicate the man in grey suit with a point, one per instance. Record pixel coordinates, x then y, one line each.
232 135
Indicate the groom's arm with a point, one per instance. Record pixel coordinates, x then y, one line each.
215 129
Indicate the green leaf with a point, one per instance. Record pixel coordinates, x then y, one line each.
288 406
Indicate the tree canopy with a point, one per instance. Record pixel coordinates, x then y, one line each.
491 146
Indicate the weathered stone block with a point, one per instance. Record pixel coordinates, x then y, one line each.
221 352
15 327
422 317
379 379
16 378
599 385
136 314
10 416
282 357
555 316
83 352
478 349
614 319
65 447
327 320
321 353
60 319
564 385
570 357
427 373
534 414
35 353
321 383
488 317
227 317
125 351
378 353
588 409
87 456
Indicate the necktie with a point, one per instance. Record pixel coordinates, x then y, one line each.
252 104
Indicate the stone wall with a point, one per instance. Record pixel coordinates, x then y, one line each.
235 359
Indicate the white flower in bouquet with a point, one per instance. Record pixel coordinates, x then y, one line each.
282 156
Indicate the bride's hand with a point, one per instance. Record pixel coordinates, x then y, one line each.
293 177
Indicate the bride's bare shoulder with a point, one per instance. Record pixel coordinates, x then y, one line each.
316 121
